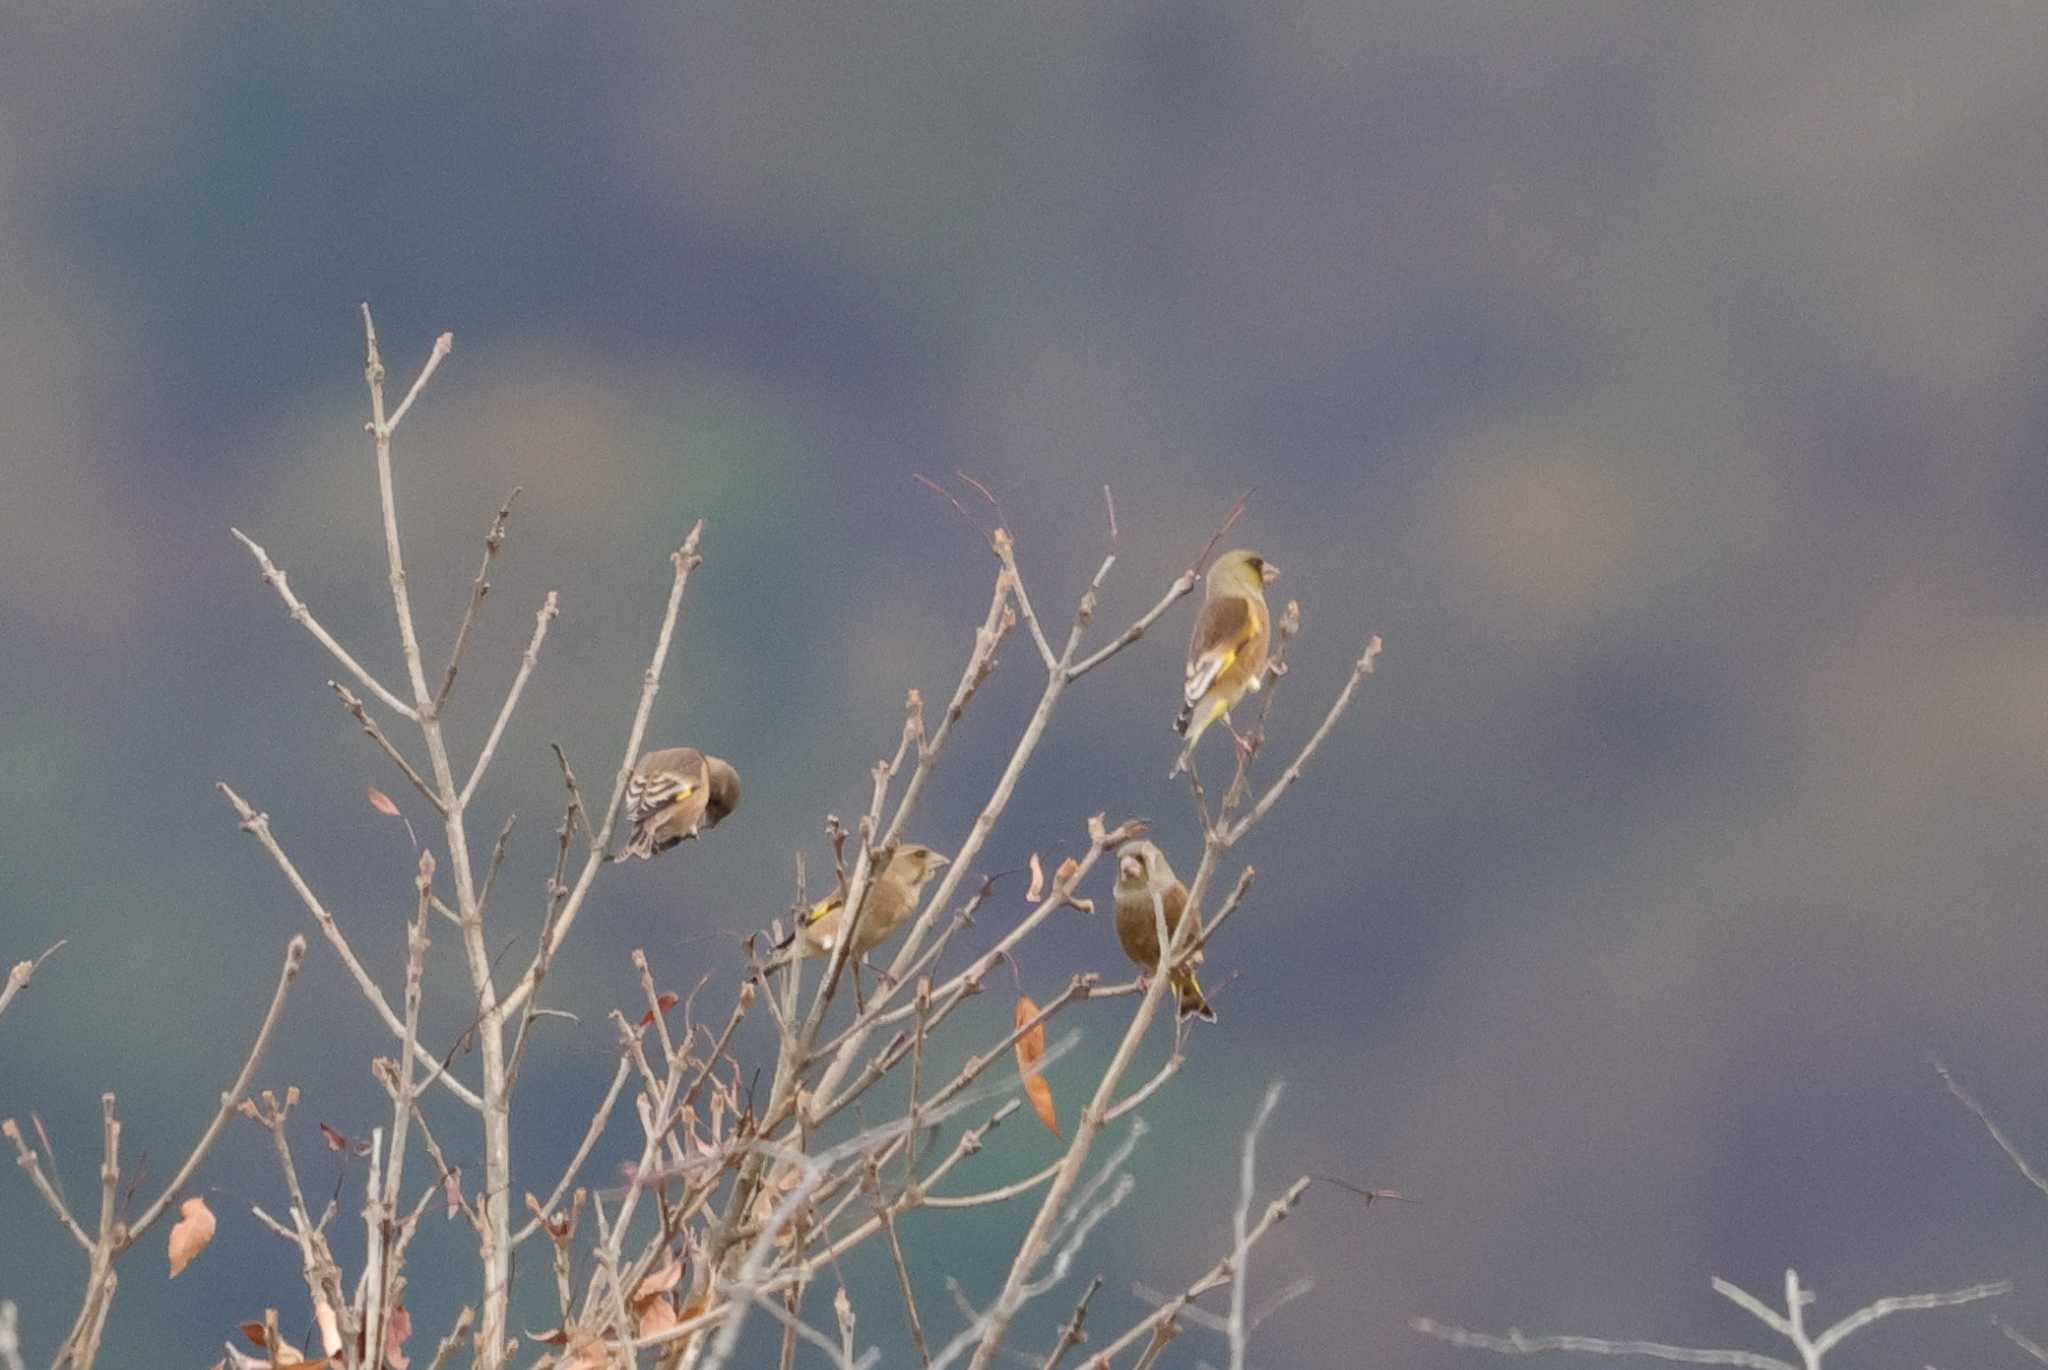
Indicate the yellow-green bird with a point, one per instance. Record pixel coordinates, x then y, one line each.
892 897
676 793
1142 873
1227 652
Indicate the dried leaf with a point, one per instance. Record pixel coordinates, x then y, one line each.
190 1234
451 1190
1030 1051
397 1328
381 802
653 1316
336 1141
554 1336
588 1351
1040 1094
659 1281
283 1354
1031 1046
667 1002
1037 890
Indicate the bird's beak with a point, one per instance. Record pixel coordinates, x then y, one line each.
939 862
1268 573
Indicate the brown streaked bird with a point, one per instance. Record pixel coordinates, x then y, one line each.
676 793
892 897
1141 873
1227 651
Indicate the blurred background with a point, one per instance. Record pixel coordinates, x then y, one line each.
1661 381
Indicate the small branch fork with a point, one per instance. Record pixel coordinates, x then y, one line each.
1810 1348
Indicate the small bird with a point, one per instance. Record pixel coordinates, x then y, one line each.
1141 873
1227 653
675 793
891 898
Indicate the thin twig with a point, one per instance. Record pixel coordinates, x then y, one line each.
350 702
23 972
257 825
274 576
2012 1153
494 538
231 1097
541 618
1214 1278
1074 1333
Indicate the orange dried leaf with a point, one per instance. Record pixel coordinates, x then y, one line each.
1069 868
1037 890
255 1332
336 1141
1031 1046
380 801
1030 1051
1041 1103
667 1002
190 1234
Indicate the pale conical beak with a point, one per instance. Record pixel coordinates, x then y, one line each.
1269 573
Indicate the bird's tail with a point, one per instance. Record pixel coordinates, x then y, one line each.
641 844
1193 1003
1210 712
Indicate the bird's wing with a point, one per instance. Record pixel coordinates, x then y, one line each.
649 792
1222 629
1174 901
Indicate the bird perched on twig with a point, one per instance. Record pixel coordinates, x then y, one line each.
676 793
1141 874
1227 652
891 898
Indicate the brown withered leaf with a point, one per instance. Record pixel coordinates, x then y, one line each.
589 1351
652 1316
660 1280
1037 890
381 802
451 1191
667 1002
1030 1051
554 1336
397 1328
336 1140
283 1355
190 1234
